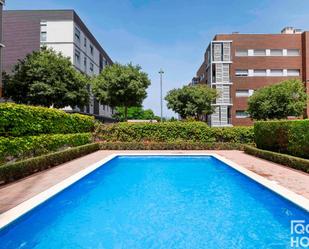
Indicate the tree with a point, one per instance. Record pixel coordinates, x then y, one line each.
278 101
46 78
121 85
134 112
191 101
5 80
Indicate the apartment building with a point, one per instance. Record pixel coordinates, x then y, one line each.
26 31
238 64
1 44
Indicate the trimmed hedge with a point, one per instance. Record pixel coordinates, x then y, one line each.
288 136
287 160
29 146
14 171
174 132
21 120
169 146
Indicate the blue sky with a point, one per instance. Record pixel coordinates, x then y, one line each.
172 34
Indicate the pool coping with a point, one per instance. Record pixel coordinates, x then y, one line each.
13 214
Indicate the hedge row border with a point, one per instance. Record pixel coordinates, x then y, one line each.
13 171
18 120
286 160
283 136
169 146
178 131
21 148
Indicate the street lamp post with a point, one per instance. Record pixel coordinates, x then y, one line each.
161 72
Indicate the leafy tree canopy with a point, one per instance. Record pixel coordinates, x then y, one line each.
191 101
46 78
121 85
278 101
135 112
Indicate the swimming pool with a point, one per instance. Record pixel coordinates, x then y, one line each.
158 202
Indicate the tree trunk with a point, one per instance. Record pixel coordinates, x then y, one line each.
125 113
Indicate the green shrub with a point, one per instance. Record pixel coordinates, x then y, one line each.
21 120
288 136
14 171
287 160
29 146
169 146
173 132
298 144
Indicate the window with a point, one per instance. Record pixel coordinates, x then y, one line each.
43 36
77 56
242 114
91 66
293 72
276 72
208 56
241 52
77 34
91 49
259 72
276 52
259 52
85 42
217 51
43 25
292 52
103 62
242 93
85 62
241 72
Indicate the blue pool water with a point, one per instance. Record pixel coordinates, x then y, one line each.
143 202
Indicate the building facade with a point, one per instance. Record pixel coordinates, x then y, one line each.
238 64
1 45
26 31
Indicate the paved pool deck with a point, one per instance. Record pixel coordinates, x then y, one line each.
15 193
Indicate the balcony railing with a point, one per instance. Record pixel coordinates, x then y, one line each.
221 101
221 82
222 123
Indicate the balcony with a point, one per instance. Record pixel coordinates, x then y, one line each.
223 101
220 123
225 79
222 83
195 80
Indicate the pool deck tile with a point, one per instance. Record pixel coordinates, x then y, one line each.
15 193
